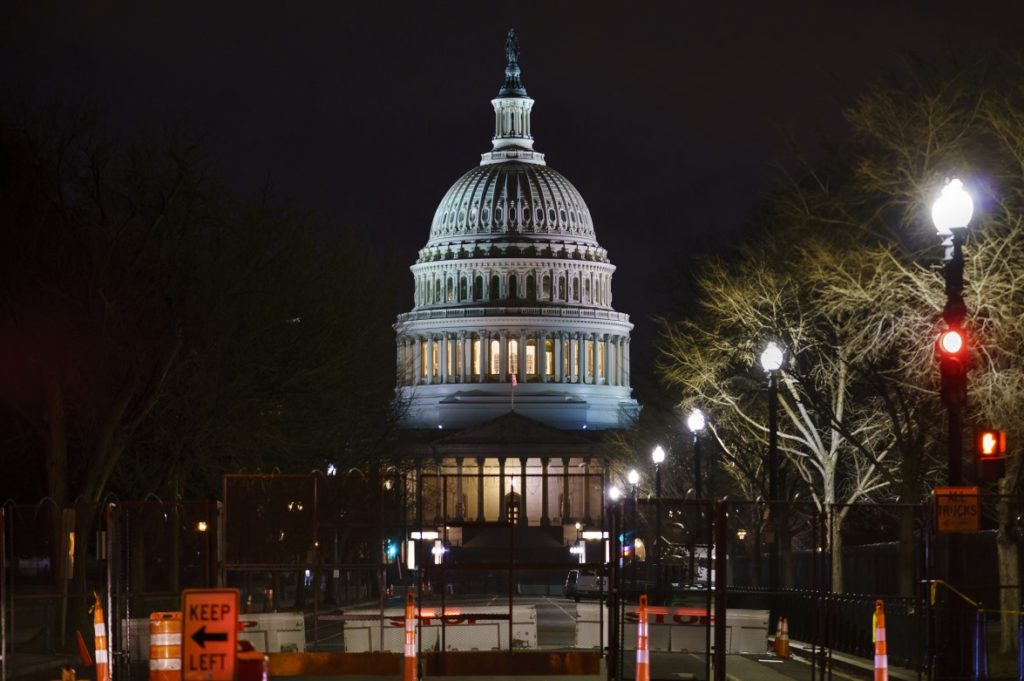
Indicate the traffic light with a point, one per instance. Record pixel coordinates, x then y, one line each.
390 550
990 447
951 347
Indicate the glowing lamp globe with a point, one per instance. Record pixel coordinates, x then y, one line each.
695 421
614 493
771 358
658 455
953 209
951 342
633 477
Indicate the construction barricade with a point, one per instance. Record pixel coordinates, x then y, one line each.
164 646
475 628
100 638
878 636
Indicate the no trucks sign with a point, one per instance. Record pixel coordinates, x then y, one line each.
956 509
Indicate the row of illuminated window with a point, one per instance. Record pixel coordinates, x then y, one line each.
574 287
429 360
516 215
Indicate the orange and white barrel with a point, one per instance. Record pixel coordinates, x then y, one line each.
643 646
881 651
164 646
100 639
410 671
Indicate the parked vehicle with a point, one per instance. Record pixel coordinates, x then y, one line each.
584 583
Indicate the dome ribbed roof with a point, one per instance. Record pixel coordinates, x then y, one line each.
512 199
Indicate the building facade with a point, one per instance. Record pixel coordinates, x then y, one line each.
512 359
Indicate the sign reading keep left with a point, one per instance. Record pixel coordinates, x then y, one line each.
210 634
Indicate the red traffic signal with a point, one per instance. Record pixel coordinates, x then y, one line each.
952 343
991 444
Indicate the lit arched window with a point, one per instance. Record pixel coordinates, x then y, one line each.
545 287
513 357
437 291
463 289
561 287
586 290
494 360
451 290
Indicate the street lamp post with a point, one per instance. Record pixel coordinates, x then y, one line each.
771 361
657 456
951 215
633 477
614 593
695 422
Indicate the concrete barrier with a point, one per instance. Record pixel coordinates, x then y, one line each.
674 629
683 630
466 629
274 632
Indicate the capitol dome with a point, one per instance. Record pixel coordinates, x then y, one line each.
513 299
512 199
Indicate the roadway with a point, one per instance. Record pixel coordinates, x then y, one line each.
556 630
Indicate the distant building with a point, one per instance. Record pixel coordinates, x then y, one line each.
513 358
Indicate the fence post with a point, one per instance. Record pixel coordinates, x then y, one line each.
721 589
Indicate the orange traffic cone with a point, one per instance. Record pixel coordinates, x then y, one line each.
410 672
878 636
777 643
100 629
643 652
784 644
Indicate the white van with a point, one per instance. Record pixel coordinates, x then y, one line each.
585 582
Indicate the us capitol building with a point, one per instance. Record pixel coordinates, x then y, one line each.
512 359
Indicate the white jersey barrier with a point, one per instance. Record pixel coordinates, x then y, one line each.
675 629
269 632
274 632
465 628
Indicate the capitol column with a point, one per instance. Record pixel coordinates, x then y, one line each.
417 360
581 357
503 357
557 337
625 362
607 358
465 345
545 518
485 355
522 357
443 347
566 504
542 356
480 489
523 520
459 506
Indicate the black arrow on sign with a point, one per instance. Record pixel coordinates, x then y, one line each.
201 637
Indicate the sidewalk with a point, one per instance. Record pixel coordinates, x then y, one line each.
22 665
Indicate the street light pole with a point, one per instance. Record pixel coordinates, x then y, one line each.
771 361
657 456
951 214
633 477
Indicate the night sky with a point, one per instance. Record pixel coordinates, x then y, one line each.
668 117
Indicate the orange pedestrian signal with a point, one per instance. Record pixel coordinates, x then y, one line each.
991 443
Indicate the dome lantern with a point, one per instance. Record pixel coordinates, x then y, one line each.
513 135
